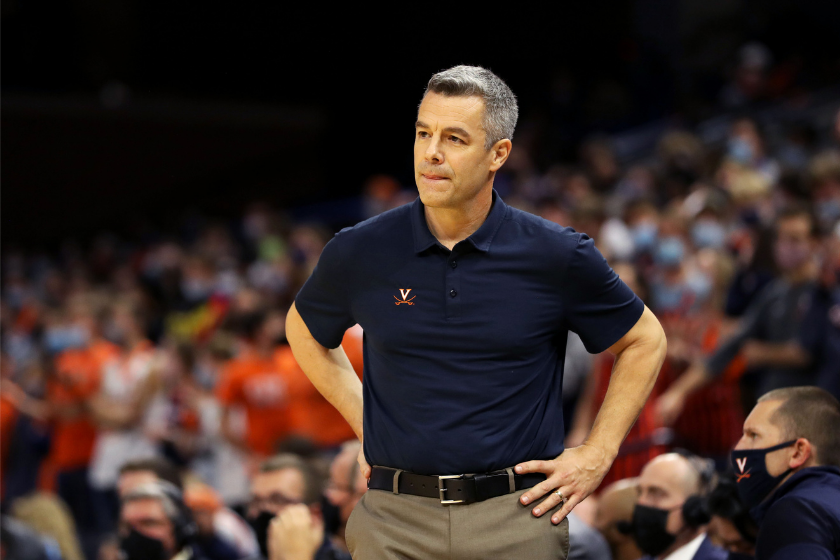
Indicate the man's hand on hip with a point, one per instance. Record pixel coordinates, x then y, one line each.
576 473
363 464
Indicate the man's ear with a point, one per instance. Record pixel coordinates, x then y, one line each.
500 152
803 454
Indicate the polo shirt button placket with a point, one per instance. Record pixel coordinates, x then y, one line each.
452 277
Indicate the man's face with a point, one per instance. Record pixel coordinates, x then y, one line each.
663 484
342 492
726 535
615 505
276 490
130 480
451 164
760 432
147 517
793 241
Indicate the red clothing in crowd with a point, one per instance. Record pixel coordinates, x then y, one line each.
262 388
312 415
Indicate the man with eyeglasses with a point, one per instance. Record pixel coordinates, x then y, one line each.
285 511
346 486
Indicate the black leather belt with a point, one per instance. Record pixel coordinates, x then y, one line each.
452 489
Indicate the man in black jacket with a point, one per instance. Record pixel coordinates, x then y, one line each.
786 465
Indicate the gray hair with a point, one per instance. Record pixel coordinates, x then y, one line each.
500 109
160 491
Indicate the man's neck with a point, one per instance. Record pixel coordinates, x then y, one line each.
452 225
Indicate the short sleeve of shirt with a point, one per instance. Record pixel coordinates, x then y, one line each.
600 307
322 302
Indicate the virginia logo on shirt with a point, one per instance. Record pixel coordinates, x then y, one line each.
405 299
742 463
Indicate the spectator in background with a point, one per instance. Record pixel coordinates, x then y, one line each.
312 416
52 519
787 466
156 525
772 320
645 440
285 495
614 518
225 536
129 382
731 526
346 485
669 517
253 380
19 542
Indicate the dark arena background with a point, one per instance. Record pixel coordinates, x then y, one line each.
172 171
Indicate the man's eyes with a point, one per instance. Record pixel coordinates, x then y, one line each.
456 140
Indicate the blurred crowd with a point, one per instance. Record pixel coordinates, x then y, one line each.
147 385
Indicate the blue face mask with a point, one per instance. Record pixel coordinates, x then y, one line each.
669 251
828 212
740 150
708 234
670 298
754 482
644 236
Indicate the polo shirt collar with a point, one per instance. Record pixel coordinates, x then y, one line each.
481 239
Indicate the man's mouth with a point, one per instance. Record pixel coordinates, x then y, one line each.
434 177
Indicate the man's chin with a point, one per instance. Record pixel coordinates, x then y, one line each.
435 197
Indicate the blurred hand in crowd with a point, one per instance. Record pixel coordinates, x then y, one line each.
295 534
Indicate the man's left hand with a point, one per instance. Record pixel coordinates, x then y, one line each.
577 472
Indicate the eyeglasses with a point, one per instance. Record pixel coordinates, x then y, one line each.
273 502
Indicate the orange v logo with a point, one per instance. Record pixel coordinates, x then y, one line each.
404 293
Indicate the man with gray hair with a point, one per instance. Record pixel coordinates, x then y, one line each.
466 304
156 525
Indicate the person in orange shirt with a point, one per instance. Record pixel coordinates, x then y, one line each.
313 417
253 381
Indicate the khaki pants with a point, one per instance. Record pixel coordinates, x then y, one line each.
385 526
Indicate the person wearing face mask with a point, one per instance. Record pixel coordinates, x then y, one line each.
731 526
613 518
155 524
346 485
670 516
772 321
787 468
285 511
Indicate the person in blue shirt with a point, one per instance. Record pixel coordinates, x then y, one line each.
466 304
787 468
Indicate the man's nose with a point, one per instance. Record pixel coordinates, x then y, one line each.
433 152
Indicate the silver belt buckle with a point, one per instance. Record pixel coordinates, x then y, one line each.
442 489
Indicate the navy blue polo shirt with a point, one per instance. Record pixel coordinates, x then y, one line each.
464 349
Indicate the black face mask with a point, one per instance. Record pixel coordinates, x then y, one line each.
649 530
332 516
754 482
260 526
137 546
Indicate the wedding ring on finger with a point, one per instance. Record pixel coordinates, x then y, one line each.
560 495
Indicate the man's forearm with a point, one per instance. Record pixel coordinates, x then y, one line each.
329 370
633 376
